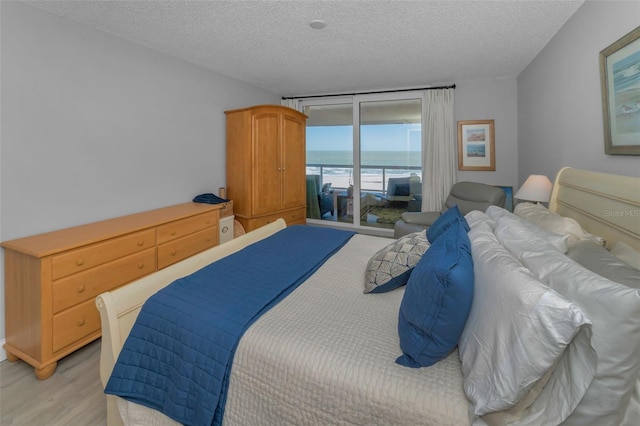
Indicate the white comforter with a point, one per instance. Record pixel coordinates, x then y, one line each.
326 356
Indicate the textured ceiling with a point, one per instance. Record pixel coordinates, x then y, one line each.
366 45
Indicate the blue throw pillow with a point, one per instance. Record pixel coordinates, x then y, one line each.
443 223
437 300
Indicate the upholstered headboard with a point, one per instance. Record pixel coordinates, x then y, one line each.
604 204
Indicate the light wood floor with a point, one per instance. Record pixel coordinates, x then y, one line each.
71 397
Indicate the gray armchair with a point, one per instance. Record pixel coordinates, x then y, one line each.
467 195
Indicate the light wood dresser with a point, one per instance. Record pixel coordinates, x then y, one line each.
52 279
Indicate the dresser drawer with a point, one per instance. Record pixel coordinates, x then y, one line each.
73 324
174 251
298 216
85 285
291 217
180 228
96 254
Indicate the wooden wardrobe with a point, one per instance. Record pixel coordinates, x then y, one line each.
266 165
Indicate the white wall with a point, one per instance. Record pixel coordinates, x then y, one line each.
496 100
559 98
94 126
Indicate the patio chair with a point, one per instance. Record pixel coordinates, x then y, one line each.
319 197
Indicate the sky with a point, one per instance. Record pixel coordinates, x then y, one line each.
377 137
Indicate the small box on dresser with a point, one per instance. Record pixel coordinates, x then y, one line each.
226 229
52 279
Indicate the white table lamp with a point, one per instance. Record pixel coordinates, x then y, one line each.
536 188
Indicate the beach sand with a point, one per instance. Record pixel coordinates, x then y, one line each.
368 182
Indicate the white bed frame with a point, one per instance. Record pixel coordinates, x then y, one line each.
119 308
604 204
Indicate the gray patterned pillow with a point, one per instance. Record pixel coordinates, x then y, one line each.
390 267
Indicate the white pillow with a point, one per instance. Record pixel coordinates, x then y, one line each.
599 260
476 216
518 329
626 253
614 310
546 219
559 241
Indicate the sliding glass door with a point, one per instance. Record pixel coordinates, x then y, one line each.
390 160
364 158
330 160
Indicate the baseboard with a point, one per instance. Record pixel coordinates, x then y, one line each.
3 353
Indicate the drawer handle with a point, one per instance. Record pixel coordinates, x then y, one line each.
81 288
140 243
225 229
81 322
208 222
80 262
141 265
173 252
173 232
208 239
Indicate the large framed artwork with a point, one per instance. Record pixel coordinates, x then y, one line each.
620 82
476 145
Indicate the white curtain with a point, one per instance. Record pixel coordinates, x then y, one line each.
438 149
291 103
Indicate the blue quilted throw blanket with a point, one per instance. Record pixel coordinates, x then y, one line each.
178 356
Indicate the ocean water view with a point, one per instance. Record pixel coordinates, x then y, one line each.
371 158
377 167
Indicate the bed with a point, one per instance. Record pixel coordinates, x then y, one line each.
326 353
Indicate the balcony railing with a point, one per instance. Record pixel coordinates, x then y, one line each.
342 176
